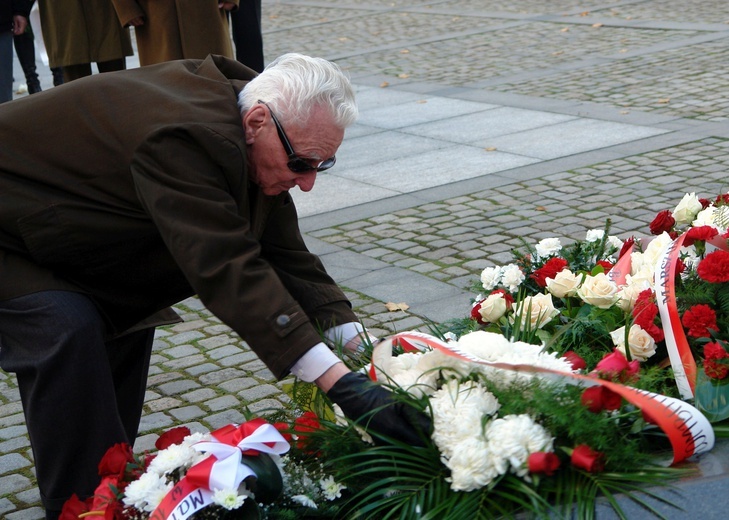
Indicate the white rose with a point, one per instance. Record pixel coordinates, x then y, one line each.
629 293
655 249
594 235
565 283
599 291
493 307
642 345
490 277
548 247
540 308
687 209
511 277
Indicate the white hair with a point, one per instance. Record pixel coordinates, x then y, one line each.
294 84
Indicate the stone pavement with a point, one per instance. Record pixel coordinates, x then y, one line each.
483 122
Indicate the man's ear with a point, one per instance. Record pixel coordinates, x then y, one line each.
253 121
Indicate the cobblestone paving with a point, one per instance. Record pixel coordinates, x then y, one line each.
683 82
453 240
204 376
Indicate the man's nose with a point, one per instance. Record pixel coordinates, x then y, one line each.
306 181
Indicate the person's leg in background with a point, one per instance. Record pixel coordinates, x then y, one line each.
6 66
25 49
80 394
247 37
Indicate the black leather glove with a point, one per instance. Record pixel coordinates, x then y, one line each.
375 408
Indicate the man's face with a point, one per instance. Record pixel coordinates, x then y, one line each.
316 141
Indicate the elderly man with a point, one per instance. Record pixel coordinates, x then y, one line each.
123 193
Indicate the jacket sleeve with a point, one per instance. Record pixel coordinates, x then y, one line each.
191 182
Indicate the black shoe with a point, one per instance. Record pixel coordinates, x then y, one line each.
34 87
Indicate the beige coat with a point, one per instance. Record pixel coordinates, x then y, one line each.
82 31
177 29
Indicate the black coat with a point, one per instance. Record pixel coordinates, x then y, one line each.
10 8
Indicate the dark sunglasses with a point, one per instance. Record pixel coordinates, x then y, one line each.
296 163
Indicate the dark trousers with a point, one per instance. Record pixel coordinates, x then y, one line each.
246 25
81 70
81 391
25 50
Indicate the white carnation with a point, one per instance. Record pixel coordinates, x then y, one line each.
511 277
146 492
471 465
594 235
513 438
490 278
228 499
173 457
330 488
548 247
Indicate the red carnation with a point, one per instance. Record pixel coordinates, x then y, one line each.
664 221
606 266
115 460
598 398
586 458
702 233
705 203
172 436
722 199
714 268
627 246
549 270
699 319
544 462
713 352
575 360
644 313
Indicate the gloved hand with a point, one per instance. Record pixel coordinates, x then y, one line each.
375 408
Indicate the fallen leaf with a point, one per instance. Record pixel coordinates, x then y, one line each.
564 29
421 101
557 53
585 13
541 208
343 39
597 25
403 76
490 149
404 51
623 112
394 307
664 100
623 50
384 84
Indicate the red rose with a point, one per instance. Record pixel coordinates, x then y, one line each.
549 270
664 221
598 398
575 360
713 352
699 319
172 436
586 458
115 460
476 313
627 246
506 296
543 462
705 203
702 233
616 366
303 427
73 508
714 268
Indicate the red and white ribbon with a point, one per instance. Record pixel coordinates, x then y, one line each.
222 469
689 432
